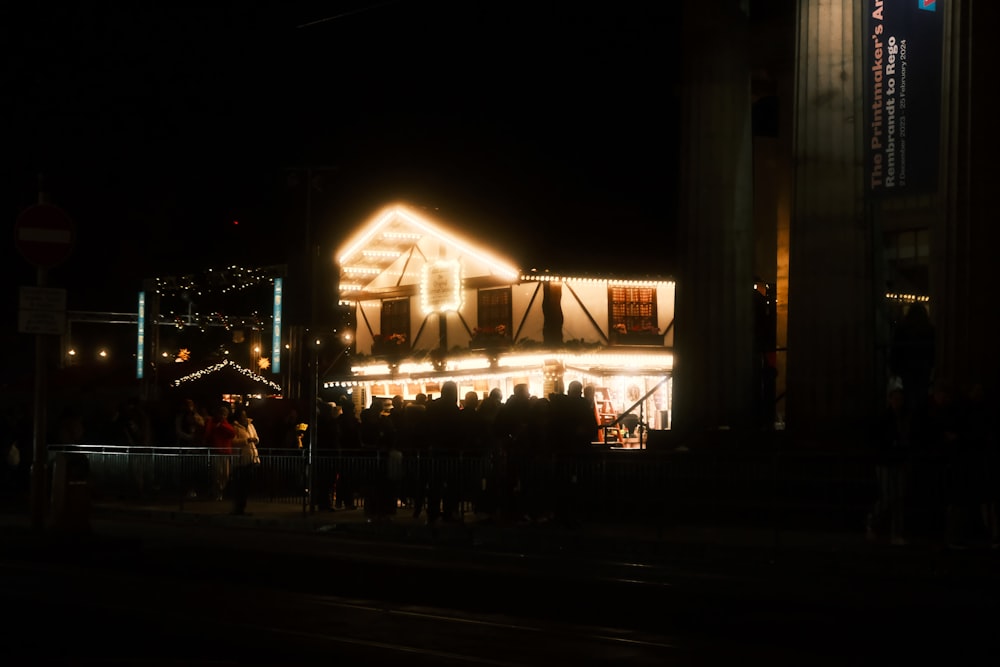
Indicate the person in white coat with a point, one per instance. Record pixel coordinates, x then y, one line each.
248 458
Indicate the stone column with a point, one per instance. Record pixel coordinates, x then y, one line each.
714 294
965 240
831 328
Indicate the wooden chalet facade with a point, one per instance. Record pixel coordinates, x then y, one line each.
430 305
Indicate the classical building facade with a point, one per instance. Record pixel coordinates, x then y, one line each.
871 192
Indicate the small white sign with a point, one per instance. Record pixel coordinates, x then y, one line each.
41 322
42 310
43 298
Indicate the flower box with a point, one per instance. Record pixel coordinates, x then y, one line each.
489 341
636 338
394 345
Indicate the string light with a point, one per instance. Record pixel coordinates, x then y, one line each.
204 372
203 321
216 281
230 279
479 366
547 278
907 298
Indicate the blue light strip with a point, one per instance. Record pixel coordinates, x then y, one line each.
141 341
276 329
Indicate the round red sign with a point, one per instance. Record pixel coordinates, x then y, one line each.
44 234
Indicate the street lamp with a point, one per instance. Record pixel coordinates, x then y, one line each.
346 337
307 498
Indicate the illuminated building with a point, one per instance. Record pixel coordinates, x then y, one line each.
429 305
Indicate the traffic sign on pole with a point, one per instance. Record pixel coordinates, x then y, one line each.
45 235
42 310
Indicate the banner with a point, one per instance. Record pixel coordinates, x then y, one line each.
140 343
276 328
902 95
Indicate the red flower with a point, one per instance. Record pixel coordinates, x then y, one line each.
395 339
499 330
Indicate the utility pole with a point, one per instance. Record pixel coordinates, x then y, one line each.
44 235
40 454
310 255
307 340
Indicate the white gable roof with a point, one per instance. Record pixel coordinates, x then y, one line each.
391 250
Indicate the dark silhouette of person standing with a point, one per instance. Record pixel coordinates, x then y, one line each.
911 356
512 425
893 445
326 445
940 434
488 410
417 440
219 434
348 447
376 438
443 420
189 425
978 433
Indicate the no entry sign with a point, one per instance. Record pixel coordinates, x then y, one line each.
44 234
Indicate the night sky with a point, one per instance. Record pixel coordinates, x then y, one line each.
548 131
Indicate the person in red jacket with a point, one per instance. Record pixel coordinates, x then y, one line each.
219 434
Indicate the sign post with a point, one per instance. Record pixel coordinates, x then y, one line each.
44 234
42 310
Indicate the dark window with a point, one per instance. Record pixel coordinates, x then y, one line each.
764 117
632 309
907 256
396 318
495 309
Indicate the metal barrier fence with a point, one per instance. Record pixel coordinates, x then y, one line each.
758 487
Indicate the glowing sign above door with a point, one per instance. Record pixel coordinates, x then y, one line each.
441 286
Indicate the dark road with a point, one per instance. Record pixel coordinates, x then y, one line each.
160 593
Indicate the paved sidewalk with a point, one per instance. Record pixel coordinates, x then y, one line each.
702 547
711 547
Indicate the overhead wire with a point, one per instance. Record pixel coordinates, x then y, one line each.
359 10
